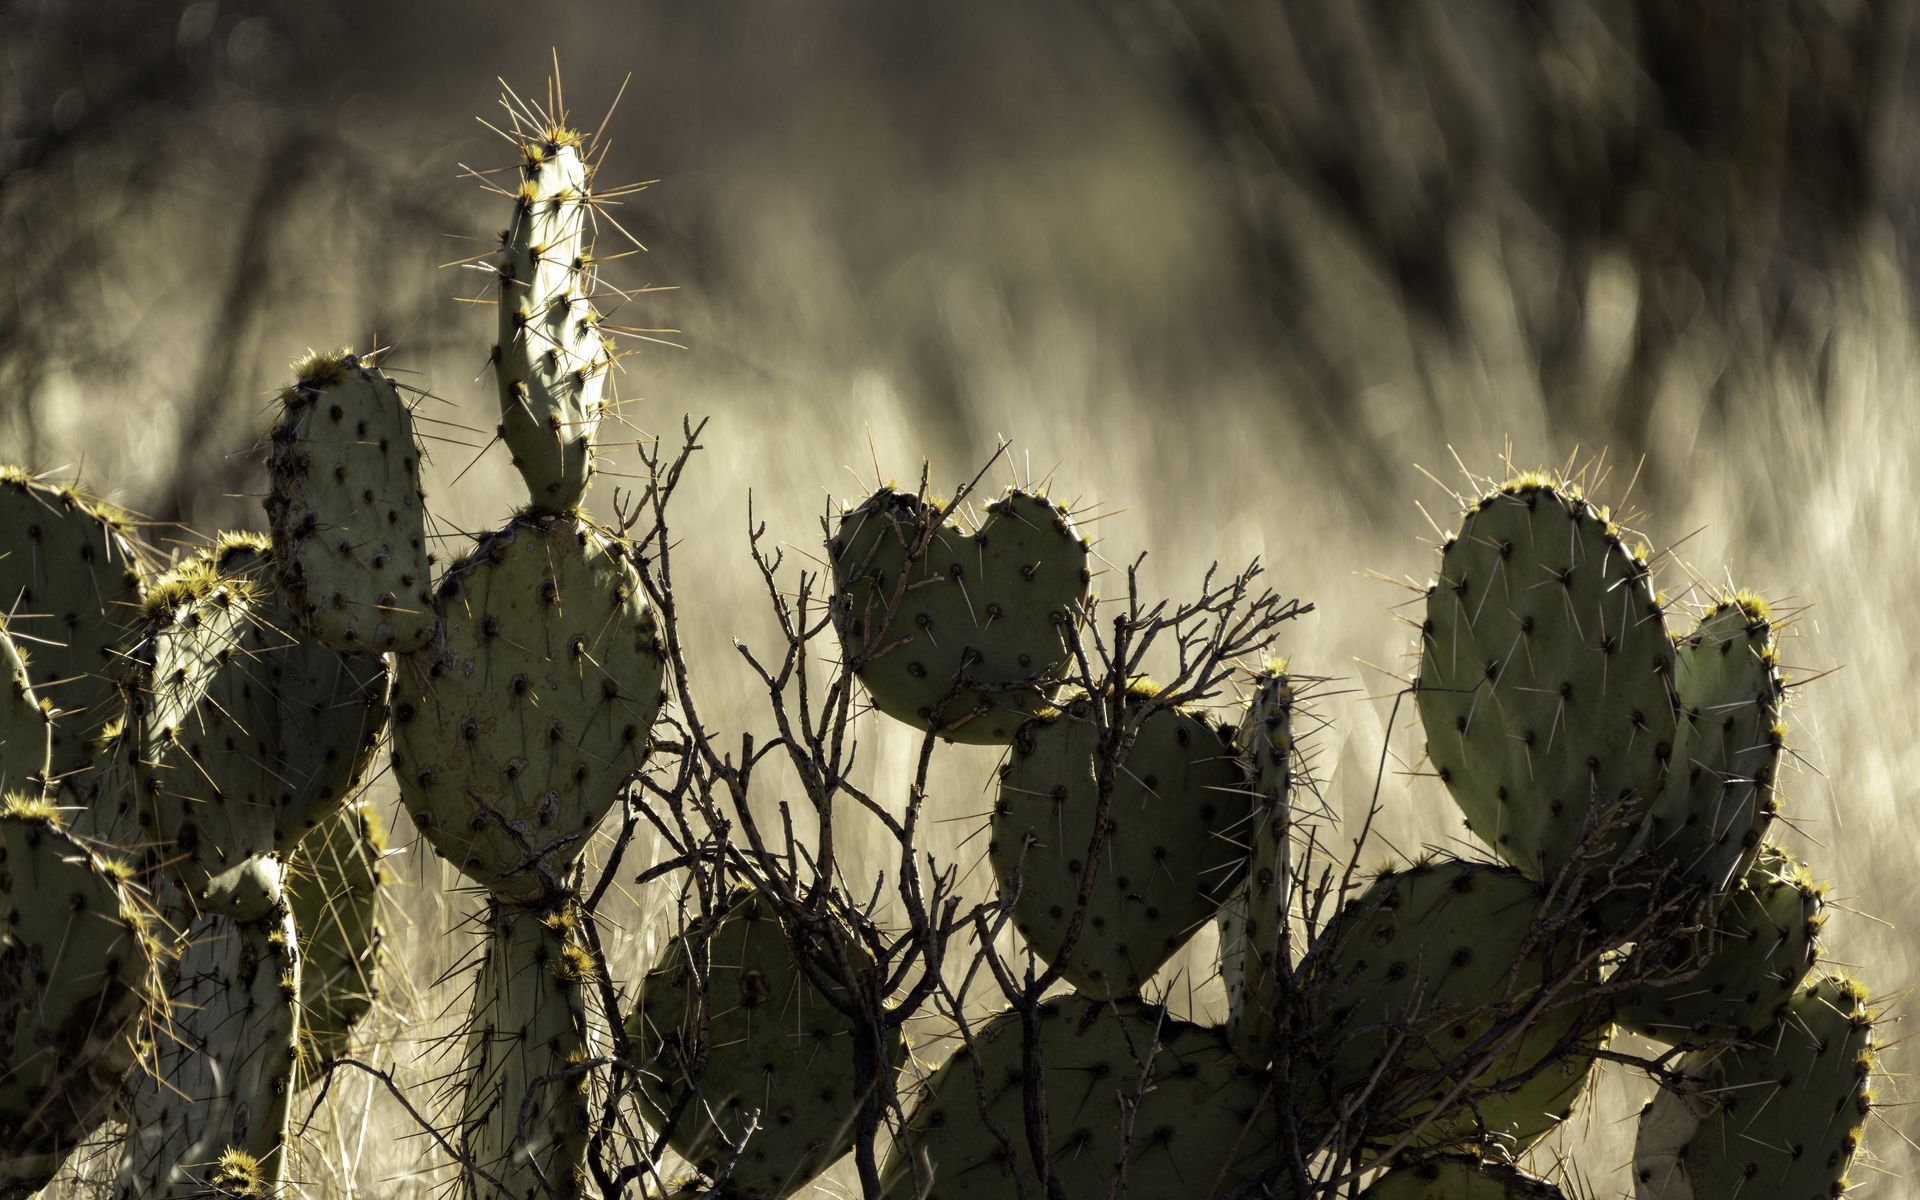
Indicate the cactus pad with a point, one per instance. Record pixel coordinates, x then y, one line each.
79 981
249 734
348 519
1736 976
516 729
70 586
1545 677
1253 925
1202 1121
772 1043
1418 971
221 1076
25 728
1169 856
334 883
1459 1177
974 645
1718 800
528 1023
551 359
1787 1108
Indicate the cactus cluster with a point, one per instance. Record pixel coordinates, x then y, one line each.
191 873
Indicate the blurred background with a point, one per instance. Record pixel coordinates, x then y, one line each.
1242 279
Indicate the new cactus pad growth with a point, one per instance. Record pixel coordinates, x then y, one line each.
1253 925
518 726
334 885
551 358
348 519
26 730
221 1074
760 1040
1718 800
1787 1107
1735 976
79 981
1197 1121
952 630
1546 677
523 1101
1444 965
70 586
1168 854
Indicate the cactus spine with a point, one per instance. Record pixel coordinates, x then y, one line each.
26 729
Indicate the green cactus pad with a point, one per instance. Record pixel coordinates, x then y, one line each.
222 1067
772 1044
552 358
1419 969
79 983
979 615
348 518
26 730
1787 1109
1718 800
517 727
527 1023
1459 1177
1736 976
1170 856
1202 1121
70 586
249 733
1253 925
334 883
1545 677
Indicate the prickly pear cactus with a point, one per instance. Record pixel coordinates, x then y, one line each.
1736 976
26 730
516 728
1201 1122
348 519
1253 925
528 1023
249 735
1168 855
1419 970
957 631
1787 1108
334 885
1545 677
221 1073
79 983
771 1044
1459 1177
551 358
1718 801
70 585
